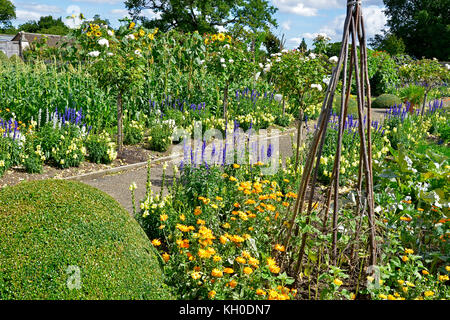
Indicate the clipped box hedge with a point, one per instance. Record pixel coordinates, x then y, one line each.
48 226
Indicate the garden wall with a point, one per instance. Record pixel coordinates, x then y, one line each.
10 48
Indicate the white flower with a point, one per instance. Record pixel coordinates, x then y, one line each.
326 80
133 186
227 46
285 51
278 59
231 61
110 33
278 97
257 75
317 86
138 52
110 54
222 60
103 42
224 65
129 36
312 55
261 65
333 59
94 53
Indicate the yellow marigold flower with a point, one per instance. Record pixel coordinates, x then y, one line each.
260 292
216 273
196 275
405 258
391 297
182 217
253 262
163 217
228 270
251 228
233 283
382 296
425 272
219 198
211 294
279 247
223 239
156 242
166 256
232 178
132 25
337 282
447 268
428 293
443 278
409 251
226 225
274 268
197 211
217 258
401 282
248 270
241 260
214 206
407 219
236 166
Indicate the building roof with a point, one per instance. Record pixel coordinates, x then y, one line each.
6 37
52 40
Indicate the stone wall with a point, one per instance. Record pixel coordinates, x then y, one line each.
10 48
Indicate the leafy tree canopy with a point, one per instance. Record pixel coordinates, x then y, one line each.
47 25
7 12
203 15
423 25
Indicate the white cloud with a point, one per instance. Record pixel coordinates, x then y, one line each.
100 1
295 7
286 25
25 15
37 7
295 40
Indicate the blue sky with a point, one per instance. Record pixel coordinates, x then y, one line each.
297 19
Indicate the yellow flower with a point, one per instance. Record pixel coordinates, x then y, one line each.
132 25
405 258
141 32
228 270
337 282
221 37
233 283
429 293
217 258
260 292
156 242
182 217
241 260
235 165
214 206
163 217
197 211
391 297
279 247
219 198
214 37
211 294
409 251
425 272
216 273
166 256
382 296
443 278
447 268
248 270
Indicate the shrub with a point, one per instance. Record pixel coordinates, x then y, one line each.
386 101
9 154
49 225
352 105
100 148
33 157
160 137
412 93
134 132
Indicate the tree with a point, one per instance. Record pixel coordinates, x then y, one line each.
422 25
389 43
7 13
303 47
204 16
272 43
47 25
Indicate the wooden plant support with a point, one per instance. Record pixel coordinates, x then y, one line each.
353 41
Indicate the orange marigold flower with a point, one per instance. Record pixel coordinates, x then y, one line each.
156 242
228 270
279 247
248 270
216 273
165 256
212 294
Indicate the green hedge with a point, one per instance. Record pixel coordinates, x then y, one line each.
386 101
47 226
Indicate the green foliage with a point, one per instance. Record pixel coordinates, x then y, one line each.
352 105
419 24
383 73
159 137
389 43
100 148
386 100
47 226
45 25
134 132
413 94
272 43
204 16
7 12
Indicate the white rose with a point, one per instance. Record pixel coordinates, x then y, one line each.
103 42
94 53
